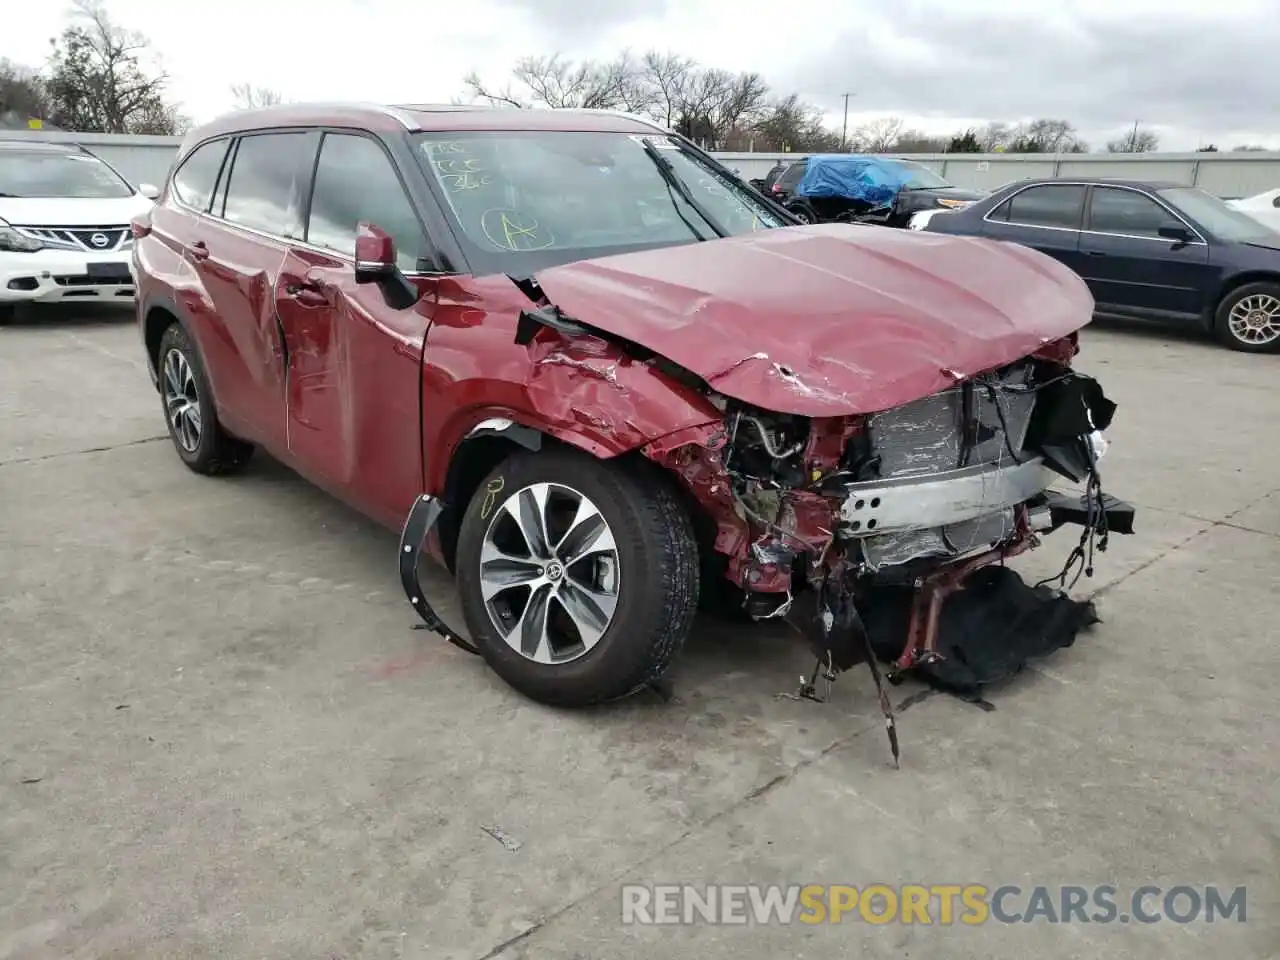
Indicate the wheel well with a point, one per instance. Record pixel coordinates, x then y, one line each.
476 458
158 321
1236 282
471 463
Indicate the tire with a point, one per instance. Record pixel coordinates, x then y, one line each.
7 313
803 214
652 589
1235 323
201 442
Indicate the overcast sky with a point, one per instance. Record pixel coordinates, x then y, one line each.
1194 71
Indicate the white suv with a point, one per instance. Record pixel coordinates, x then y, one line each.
64 225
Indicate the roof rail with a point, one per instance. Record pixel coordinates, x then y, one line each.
446 107
638 118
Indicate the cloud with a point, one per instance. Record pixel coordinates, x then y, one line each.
1199 73
568 24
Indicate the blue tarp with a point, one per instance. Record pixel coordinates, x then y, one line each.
868 179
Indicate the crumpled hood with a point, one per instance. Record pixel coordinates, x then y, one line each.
832 319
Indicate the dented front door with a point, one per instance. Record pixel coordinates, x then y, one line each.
354 369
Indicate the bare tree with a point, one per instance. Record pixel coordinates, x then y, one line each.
995 136
790 125
635 94
477 89
667 76
249 97
1248 148
160 119
22 93
717 102
916 141
561 83
96 80
877 136
1137 140
1047 136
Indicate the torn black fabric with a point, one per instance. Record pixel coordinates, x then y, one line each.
986 632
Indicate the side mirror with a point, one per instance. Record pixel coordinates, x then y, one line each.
1176 232
376 263
149 190
375 254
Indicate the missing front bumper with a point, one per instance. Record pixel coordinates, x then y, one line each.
877 507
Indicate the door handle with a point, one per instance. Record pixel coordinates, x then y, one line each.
308 293
1096 253
198 250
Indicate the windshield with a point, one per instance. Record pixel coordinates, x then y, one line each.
527 200
916 176
75 175
1215 216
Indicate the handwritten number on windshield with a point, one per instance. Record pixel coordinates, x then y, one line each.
456 168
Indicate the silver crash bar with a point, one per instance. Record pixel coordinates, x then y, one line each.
939 499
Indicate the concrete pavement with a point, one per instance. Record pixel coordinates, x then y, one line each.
221 738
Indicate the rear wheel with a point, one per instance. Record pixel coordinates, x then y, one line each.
578 577
189 411
1248 318
7 313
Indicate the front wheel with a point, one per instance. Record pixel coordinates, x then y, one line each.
1248 318
578 577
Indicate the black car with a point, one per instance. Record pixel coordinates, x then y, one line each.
1150 251
918 189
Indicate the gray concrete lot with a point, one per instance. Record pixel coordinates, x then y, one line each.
219 736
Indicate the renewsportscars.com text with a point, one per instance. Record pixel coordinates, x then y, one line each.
925 904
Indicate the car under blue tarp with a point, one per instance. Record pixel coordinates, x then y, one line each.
869 179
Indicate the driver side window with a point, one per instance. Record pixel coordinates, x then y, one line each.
356 181
1127 213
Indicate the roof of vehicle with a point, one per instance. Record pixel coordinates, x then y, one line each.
1108 181
448 117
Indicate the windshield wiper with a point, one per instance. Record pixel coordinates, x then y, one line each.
674 182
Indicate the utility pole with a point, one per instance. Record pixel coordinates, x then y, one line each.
844 130
1133 137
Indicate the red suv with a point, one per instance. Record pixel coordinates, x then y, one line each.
597 376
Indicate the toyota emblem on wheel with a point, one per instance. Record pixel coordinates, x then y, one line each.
99 240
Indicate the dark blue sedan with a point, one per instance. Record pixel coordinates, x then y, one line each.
1149 251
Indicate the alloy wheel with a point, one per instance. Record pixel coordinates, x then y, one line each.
549 573
1255 319
182 400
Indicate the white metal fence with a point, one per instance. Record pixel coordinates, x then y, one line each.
1222 174
147 160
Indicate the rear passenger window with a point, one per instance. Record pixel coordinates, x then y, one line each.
195 181
355 181
1052 205
265 182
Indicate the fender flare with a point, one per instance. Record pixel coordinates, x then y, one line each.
146 308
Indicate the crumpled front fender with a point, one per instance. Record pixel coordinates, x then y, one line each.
604 406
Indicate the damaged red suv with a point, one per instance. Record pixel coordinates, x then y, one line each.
575 359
